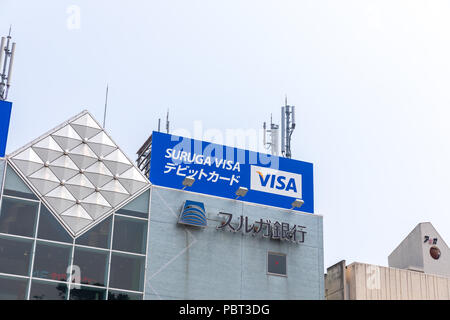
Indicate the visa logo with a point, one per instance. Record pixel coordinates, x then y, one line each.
276 182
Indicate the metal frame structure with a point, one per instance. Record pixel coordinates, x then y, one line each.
274 137
144 155
287 128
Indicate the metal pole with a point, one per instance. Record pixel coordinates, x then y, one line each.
2 49
106 106
11 62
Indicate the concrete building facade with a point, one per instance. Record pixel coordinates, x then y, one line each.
205 263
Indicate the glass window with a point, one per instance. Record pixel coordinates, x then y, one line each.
93 265
121 295
130 235
13 288
276 264
14 186
138 207
99 236
87 293
127 272
15 256
18 217
50 229
43 290
51 261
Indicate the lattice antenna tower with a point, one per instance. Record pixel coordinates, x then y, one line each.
273 135
287 128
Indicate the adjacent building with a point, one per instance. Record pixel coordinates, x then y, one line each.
419 269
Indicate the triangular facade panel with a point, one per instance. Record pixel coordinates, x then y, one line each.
79 172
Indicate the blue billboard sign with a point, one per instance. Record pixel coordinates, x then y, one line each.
5 115
221 170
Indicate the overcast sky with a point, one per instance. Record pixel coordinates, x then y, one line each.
370 80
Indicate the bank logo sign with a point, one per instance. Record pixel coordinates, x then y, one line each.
222 171
276 181
193 214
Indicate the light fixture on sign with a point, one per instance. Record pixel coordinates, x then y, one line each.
297 203
188 182
241 192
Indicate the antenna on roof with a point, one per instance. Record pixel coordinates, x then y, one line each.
106 105
287 128
167 121
273 142
6 63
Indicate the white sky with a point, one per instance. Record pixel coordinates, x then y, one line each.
370 81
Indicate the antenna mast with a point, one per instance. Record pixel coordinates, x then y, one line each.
6 63
287 128
273 133
106 106
167 121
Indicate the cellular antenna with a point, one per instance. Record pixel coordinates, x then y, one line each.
287 128
7 52
106 105
273 133
167 121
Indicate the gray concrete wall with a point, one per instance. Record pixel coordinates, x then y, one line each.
370 282
408 254
192 263
414 253
335 284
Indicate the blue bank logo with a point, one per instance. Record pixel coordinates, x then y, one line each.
193 214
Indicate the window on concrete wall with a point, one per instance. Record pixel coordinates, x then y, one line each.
276 264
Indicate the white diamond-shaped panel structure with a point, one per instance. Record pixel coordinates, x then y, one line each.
79 172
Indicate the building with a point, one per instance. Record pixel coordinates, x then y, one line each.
79 220
419 269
